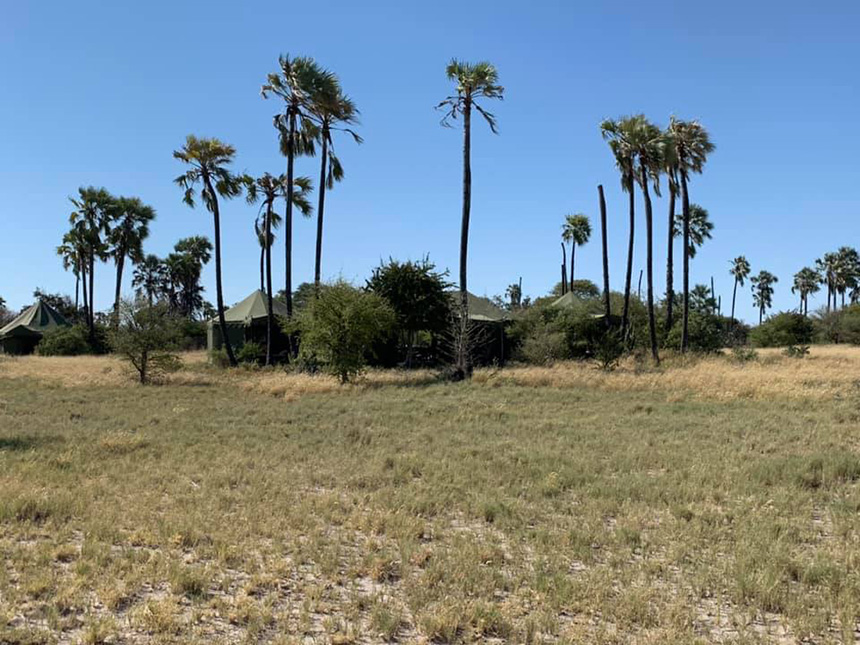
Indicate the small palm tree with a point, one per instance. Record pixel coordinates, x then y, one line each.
474 81
90 222
848 270
125 240
740 270
148 278
208 160
828 269
806 281
576 231
762 288
692 145
70 251
701 228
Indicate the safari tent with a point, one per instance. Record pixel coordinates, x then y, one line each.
23 334
490 322
567 301
246 322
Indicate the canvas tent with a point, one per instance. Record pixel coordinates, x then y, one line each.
23 334
480 309
246 322
490 321
567 301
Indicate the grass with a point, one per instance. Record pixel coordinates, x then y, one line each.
706 501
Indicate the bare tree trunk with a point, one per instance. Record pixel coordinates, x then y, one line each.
288 215
626 313
607 311
639 286
670 264
85 293
463 359
321 208
77 288
263 269
734 296
572 262
120 264
649 265
92 311
685 205
222 322
713 295
269 296
563 270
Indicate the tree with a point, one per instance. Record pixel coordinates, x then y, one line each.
847 271
607 311
828 269
5 315
514 294
339 327
670 168
131 218
183 270
71 251
576 231
762 288
702 300
740 271
806 281
691 145
59 301
417 294
474 81
268 188
208 160
701 228
146 337
148 279
295 83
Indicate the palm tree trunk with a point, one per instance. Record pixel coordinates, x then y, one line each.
77 288
120 264
734 296
563 269
262 269
649 265
760 314
685 205
269 296
626 313
288 215
84 292
321 208
670 264
572 262
607 310
463 362
222 322
92 311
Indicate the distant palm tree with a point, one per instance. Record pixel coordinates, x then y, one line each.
762 288
208 160
828 269
91 223
298 79
576 231
701 228
125 240
148 278
692 145
848 270
607 310
806 281
740 271
474 81
72 255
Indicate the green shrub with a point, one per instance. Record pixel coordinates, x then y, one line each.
786 328
744 354
251 353
841 326
705 333
544 346
796 351
64 341
219 358
146 337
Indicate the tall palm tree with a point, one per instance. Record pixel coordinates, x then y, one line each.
91 221
620 134
148 278
576 231
297 80
692 145
333 111
762 288
267 189
740 270
848 270
563 268
125 240
670 168
806 281
208 160
70 252
701 228
828 268
474 81
605 252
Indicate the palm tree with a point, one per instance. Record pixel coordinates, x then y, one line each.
692 145
268 188
184 268
474 81
208 160
333 111
607 311
848 270
576 231
91 223
701 228
828 269
71 254
670 168
806 281
740 271
298 79
125 240
148 278
762 288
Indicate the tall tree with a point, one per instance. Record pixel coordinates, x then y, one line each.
828 268
576 231
762 288
148 278
208 161
130 228
474 81
563 269
701 228
297 80
806 281
91 221
605 252
847 270
670 168
740 270
692 145
72 254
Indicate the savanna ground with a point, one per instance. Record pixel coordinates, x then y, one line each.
709 501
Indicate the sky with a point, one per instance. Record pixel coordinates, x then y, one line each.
95 93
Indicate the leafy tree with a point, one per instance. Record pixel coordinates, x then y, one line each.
339 327
6 316
806 281
64 341
90 224
130 227
702 300
295 83
474 81
208 160
417 294
146 337
148 279
783 329
514 294
576 231
848 271
701 227
182 272
740 272
762 288
828 268
691 145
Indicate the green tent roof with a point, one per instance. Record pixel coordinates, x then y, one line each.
567 301
252 308
481 309
34 321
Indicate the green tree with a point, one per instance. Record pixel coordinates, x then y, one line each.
295 83
183 271
71 251
740 270
762 288
148 278
131 219
847 271
691 145
806 281
208 161
670 168
147 338
701 228
828 269
576 231
474 81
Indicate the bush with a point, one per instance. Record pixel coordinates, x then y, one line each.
705 333
251 353
146 337
192 334
339 328
65 341
544 346
796 351
744 354
219 358
841 326
786 328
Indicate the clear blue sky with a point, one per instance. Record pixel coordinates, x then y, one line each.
102 93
